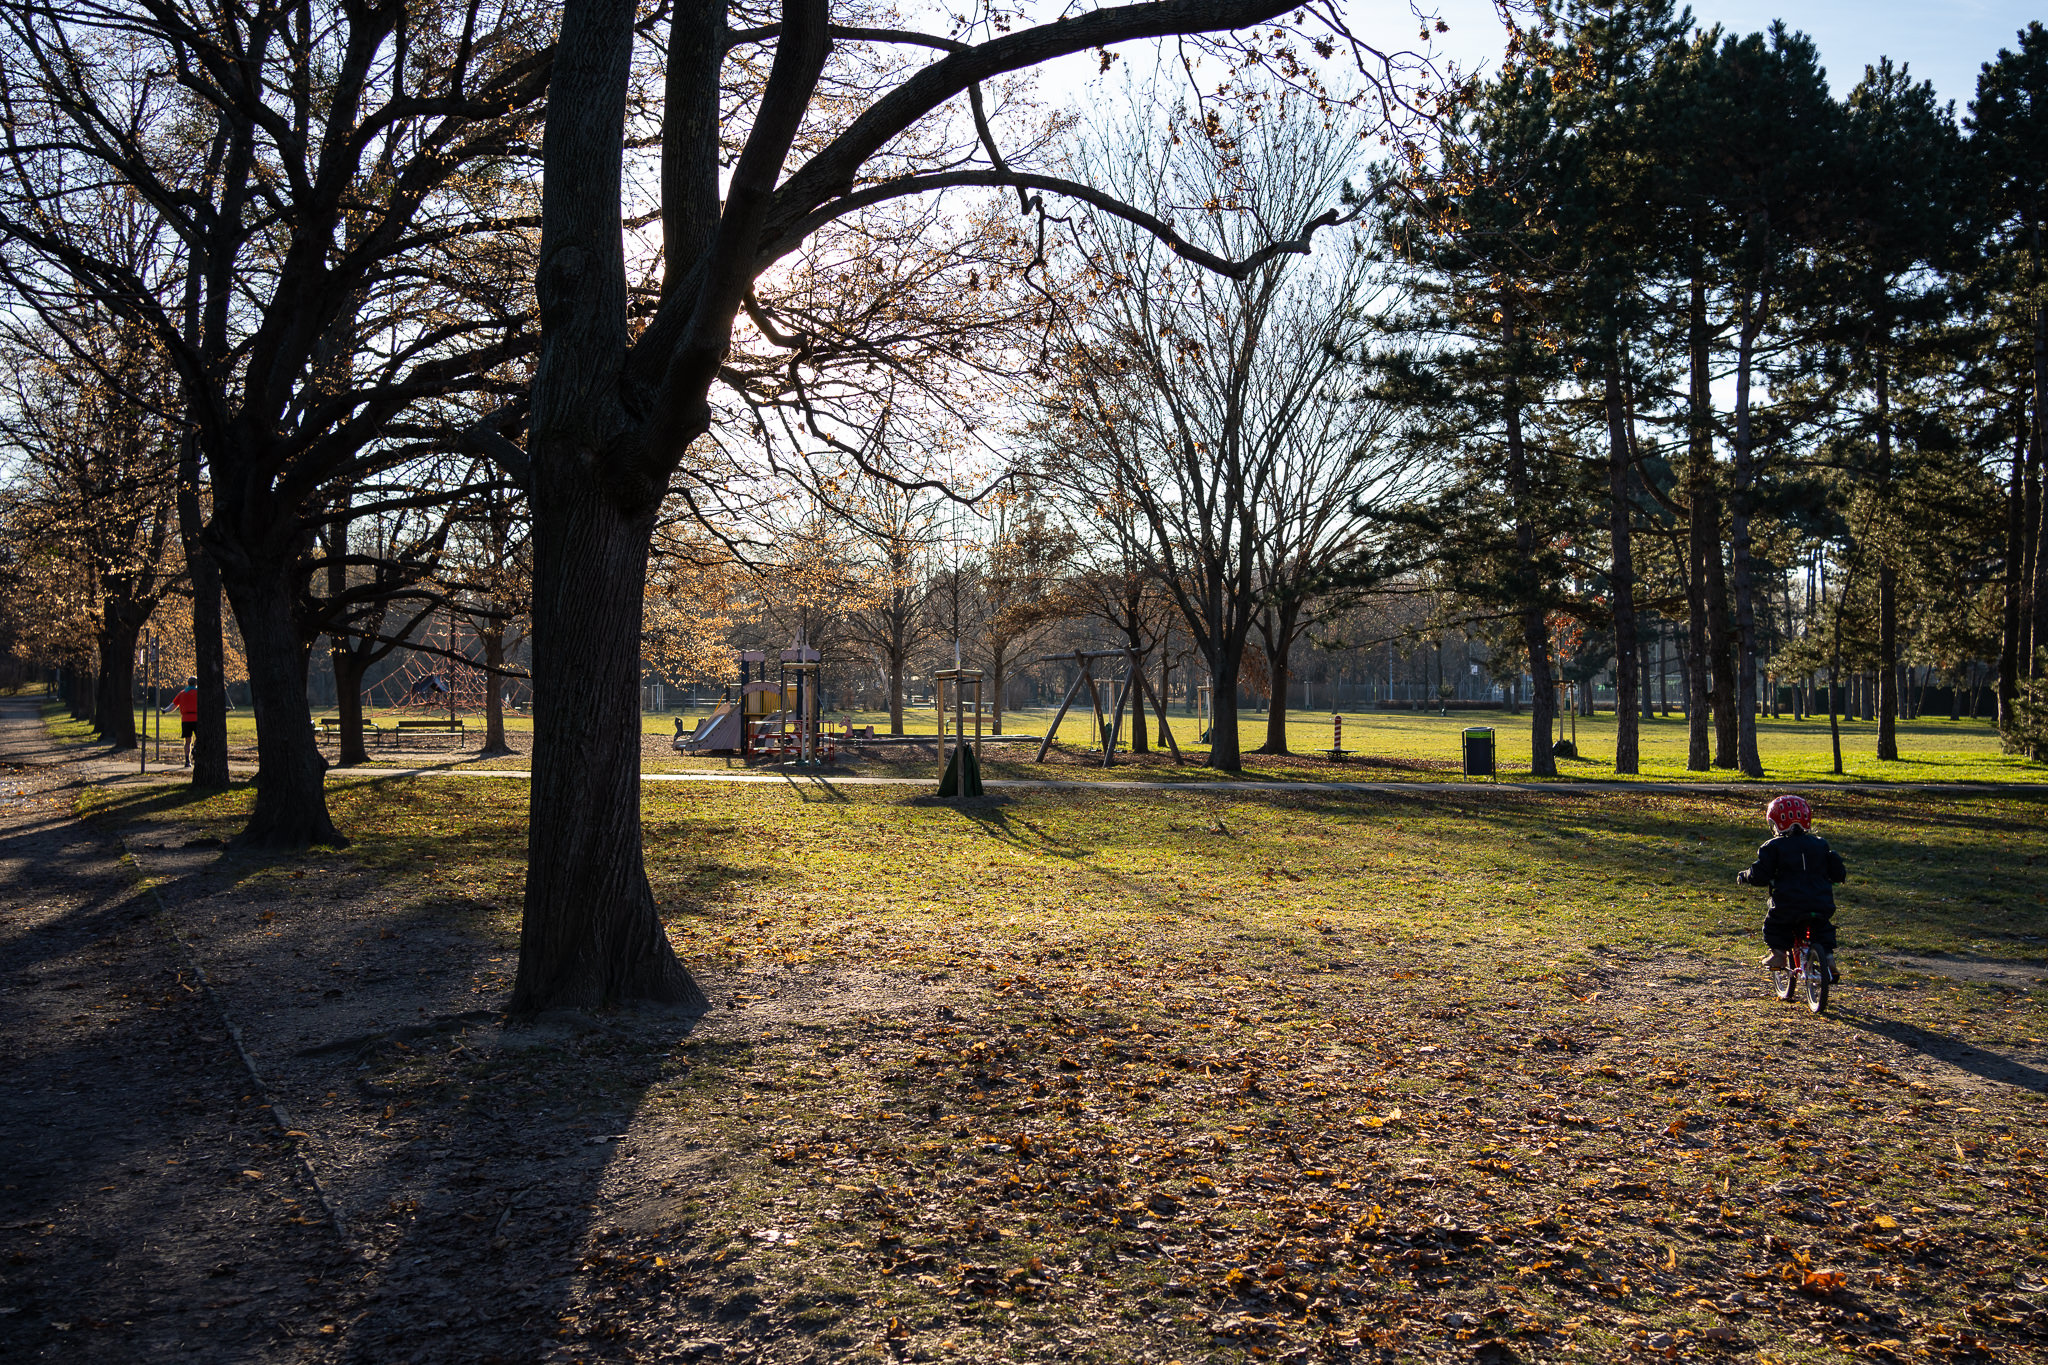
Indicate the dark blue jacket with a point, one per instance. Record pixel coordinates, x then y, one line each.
1801 871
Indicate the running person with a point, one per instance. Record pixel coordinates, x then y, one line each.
187 703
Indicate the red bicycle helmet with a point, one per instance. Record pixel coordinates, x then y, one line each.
1787 811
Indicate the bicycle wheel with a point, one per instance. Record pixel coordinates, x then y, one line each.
1815 976
1785 979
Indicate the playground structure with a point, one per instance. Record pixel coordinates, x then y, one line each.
1109 730
451 679
772 719
962 773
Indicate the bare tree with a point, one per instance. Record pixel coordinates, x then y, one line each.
96 488
752 167
1020 585
898 533
1337 465
328 277
1190 399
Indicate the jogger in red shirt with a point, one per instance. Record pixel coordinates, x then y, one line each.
187 702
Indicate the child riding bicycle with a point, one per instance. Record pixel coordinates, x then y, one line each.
1801 871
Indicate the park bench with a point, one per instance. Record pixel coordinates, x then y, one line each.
430 729
330 726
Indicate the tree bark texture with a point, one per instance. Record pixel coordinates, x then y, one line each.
1703 522
492 634
1621 571
349 667
1721 649
1747 756
210 745
591 936
113 704
1535 622
1887 591
2037 441
291 795
1279 648
1225 755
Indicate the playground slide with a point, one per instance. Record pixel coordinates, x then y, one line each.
718 732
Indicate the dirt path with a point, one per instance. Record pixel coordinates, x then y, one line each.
446 1192
150 1205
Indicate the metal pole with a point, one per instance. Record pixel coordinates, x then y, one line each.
142 745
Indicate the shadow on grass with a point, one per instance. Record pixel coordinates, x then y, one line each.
1991 1066
1017 832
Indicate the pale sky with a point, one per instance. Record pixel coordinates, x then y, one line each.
1945 41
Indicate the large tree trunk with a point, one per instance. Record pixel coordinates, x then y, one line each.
113 705
1535 623
492 634
1721 651
349 668
895 669
209 649
2037 440
1703 523
1747 755
1649 696
1279 649
1887 591
291 791
1542 693
591 936
1621 572
1224 753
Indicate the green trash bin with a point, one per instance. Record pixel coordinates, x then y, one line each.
1479 752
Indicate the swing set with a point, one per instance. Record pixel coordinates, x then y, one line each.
1109 727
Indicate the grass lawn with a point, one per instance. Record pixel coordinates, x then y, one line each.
1386 745
1214 1076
